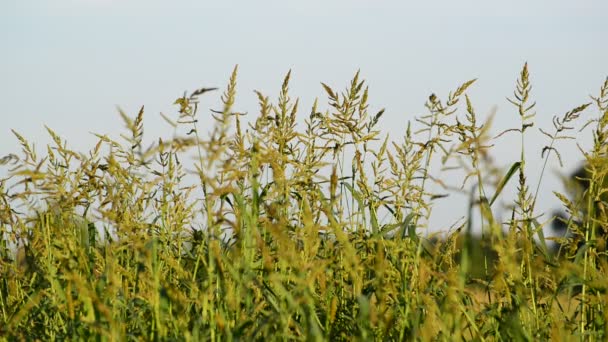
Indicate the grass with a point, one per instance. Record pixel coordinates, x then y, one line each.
299 232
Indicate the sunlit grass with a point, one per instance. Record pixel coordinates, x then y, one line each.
299 232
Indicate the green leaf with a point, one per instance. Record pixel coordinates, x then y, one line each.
373 219
505 179
407 228
543 244
356 194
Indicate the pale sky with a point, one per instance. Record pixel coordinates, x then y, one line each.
69 63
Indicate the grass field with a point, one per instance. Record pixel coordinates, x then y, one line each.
313 232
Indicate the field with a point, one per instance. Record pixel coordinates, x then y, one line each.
316 232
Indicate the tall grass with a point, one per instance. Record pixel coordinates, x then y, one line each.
298 232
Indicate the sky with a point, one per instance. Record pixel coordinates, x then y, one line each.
68 64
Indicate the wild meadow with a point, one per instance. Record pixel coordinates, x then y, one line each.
268 227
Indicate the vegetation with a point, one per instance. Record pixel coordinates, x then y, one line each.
315 231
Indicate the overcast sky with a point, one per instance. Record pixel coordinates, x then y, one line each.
69 63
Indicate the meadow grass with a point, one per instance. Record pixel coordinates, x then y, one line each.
299 232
